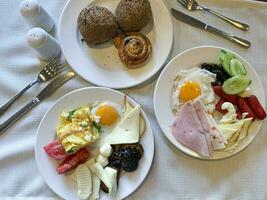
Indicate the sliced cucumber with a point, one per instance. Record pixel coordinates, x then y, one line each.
222 55
225 59
236 84
237 68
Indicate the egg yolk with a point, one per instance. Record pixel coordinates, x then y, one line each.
108 115
189 91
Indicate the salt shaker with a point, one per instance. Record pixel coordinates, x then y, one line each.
43 43
35 15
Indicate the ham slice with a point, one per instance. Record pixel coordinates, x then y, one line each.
209 126
187 129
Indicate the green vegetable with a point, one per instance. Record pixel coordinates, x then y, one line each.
236 67
97 126
71 150
236 84
70 114
222 55
225 59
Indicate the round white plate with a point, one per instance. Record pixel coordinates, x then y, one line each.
63 185
100 65
163 91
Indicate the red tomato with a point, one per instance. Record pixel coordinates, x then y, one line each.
55 150
73 160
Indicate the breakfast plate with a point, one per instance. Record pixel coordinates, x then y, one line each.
100 65
164 90
64 185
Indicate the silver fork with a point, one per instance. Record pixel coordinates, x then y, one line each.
53 68
192 5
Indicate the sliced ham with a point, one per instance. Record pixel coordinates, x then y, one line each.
187 129
209 125
201 113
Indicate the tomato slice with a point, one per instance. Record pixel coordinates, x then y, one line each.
55 150
73 160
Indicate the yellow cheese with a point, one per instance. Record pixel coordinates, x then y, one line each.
112 174
84 182
142 128
245 128
127 131
228 130
99 171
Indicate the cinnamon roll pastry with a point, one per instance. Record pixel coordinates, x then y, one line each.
133 48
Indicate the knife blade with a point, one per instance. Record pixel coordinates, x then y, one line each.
54 85
201 25
46 92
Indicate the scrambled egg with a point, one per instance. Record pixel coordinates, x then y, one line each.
77 129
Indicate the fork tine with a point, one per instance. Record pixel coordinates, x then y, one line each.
61 70
60 67
54 61
182 3
186 2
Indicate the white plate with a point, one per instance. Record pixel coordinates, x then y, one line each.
101 65
163 91
63 185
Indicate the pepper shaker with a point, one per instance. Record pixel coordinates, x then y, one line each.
35 15
43 43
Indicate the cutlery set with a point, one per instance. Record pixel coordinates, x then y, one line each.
192 5
50 71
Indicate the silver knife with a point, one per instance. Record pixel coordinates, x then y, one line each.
201 25
46 92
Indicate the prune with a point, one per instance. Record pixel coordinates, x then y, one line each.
126 156
129 165
221 74
115 164
129 158
103 187
137 148
115 159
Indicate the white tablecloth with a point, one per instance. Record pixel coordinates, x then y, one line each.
173 175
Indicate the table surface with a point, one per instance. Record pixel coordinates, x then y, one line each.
173 175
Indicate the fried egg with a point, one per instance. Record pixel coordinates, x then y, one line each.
192 84
109 113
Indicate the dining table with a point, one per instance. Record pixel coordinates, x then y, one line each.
173 174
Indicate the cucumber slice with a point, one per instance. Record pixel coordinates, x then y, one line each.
225 59
222 55
236 67
236 84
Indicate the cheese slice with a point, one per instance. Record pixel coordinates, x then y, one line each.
112 174
229 129
105 150
84 182
73 176
99 171
90 162
127 131
96 187
244 130
142 129
102 160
